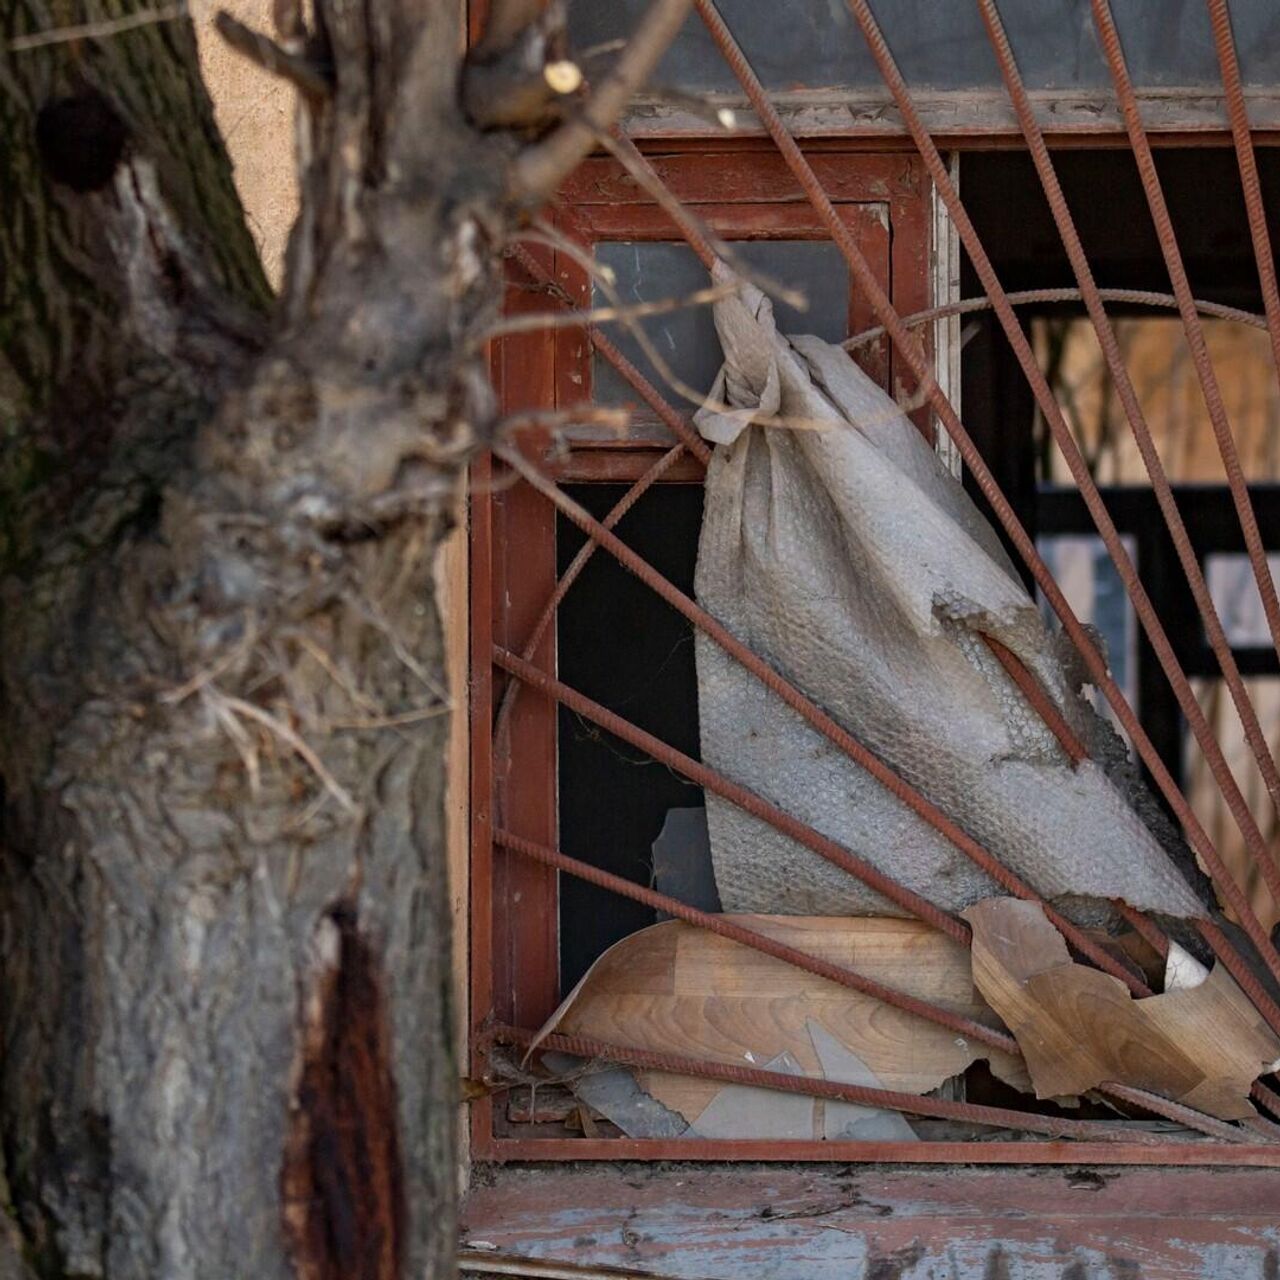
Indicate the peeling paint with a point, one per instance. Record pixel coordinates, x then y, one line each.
889 1223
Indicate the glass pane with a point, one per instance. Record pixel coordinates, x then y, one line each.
1082 568
686 339
1202 790
941 44
1168 389
1235 594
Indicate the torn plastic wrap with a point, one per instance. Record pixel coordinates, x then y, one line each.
841 551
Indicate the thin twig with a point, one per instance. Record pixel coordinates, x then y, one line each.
701 106
290 738
344 681
607 315
539 170
705 242
97 30
240 739
201 678
594 51
375 616
580 415
394 720
300 71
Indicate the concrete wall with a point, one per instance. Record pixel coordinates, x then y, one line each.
255 113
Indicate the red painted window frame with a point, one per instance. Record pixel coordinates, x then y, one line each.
514 914
745 192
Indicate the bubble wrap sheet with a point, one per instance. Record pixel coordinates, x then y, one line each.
855 565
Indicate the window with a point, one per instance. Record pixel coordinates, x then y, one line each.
571 785
566 757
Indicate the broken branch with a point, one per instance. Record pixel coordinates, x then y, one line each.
541 168
258 48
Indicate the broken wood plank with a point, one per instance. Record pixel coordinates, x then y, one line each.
1202 1046
679 989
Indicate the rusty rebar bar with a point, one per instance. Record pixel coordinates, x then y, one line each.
1242 139
889 1099
1214 631
726 927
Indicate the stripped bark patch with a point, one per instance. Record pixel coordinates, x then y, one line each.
343 1185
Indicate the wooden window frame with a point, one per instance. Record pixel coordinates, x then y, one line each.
745 192
514 902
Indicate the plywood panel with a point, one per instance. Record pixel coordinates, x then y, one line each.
680 989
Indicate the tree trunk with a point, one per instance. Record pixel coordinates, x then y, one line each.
226 1026
225 1034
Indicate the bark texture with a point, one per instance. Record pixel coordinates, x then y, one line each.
224 933
225 1035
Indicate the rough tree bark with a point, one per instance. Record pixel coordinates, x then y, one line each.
224 934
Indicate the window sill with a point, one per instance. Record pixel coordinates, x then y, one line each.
833 1223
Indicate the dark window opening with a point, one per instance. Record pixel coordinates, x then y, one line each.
1004 197
619 644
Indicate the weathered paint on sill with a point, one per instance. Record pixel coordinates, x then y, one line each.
890 1223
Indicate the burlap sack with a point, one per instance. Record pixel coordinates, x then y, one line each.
853 563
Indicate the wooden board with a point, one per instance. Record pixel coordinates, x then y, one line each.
1203 1045
680 989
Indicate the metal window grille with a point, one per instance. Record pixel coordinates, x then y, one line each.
516 860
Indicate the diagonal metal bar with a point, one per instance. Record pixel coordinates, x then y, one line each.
819 719
909 346
1242 138
1178 1113
1244 977
571 574
726 927
1124 388
747 800
894 1100
1044 396
1267 1099
1109 38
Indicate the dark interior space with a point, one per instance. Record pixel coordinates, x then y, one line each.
621 645
1201 185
